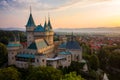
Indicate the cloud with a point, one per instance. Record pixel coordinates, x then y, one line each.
3 4
41 4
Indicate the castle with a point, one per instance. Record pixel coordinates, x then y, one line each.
40 48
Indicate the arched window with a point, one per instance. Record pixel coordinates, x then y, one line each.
74 56
43 60
37 60
77 57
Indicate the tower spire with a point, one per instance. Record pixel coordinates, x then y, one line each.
45 25
48 16
49 23
30 22
30 10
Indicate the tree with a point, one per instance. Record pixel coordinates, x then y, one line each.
86 49
4 40
103 57
75 66
94 75
44 73
3 50
3 54
109 57
72 76
114 60
9 73
94 62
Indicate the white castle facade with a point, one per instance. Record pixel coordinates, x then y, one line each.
40 48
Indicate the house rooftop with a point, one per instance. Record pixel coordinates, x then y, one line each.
25 55
14 45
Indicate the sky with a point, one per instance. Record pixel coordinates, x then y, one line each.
63 13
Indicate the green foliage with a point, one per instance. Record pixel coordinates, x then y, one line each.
56 38
94 62
86 49
94 74
74 66
9 73
6 36
72 76
3 54
86 56
44 73
114 60
4 40
3 50
109 57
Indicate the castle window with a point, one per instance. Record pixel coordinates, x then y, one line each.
77 57
68 60
37 60
12 58
69 57
43 60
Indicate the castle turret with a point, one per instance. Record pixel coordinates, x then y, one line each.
45 26
40 60
30 26
13 49
51 33
49 23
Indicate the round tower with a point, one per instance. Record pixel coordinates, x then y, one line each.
40 60
51 36
49 32
30 26
13 48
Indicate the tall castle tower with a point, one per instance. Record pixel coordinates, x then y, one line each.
49 32
13 49
38 31
30 26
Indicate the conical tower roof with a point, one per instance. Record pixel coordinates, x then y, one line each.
49 23
30 22
45 25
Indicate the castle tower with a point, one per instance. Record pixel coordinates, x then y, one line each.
40 60
45 26
51 33
30 26
13 49
46 31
